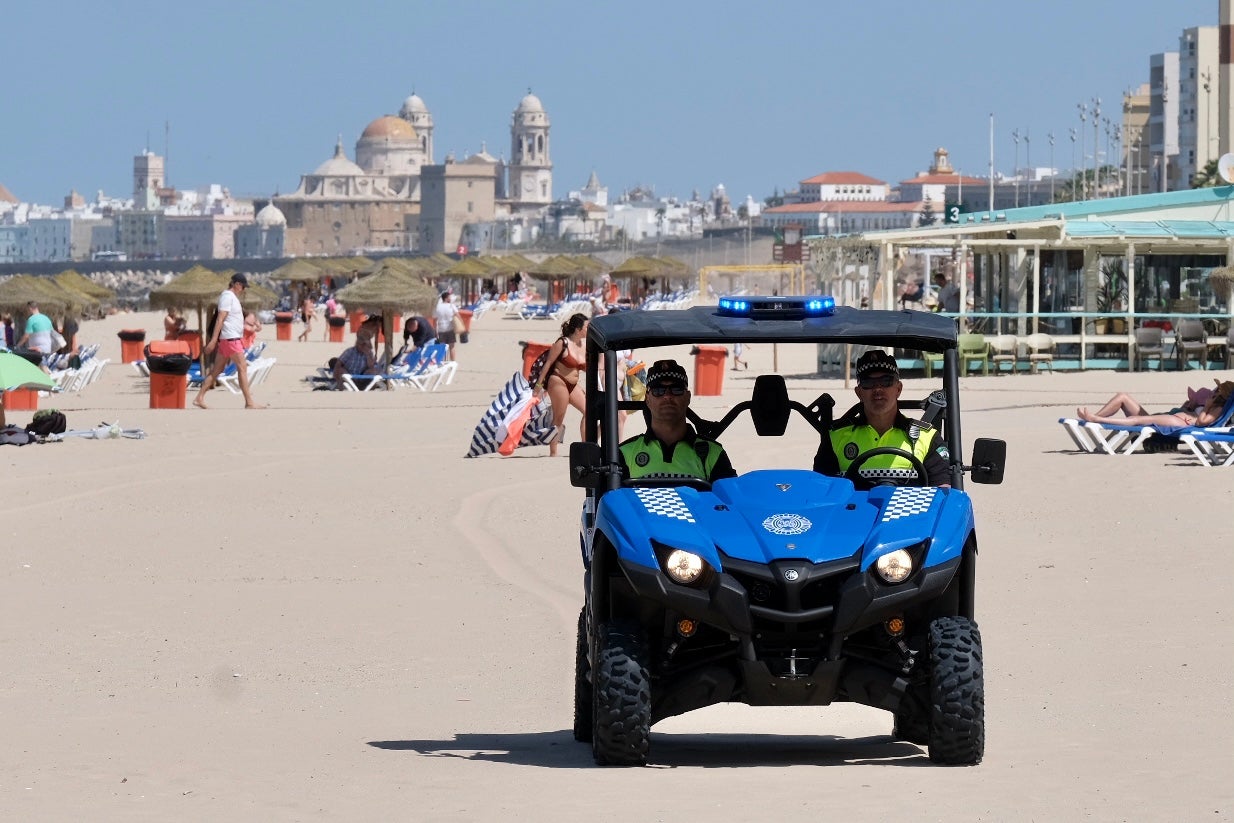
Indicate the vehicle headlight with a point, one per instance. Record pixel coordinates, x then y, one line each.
894 567
684 567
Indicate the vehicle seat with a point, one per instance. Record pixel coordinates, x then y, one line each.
769 405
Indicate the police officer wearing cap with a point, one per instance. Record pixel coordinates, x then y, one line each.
878 423
671 449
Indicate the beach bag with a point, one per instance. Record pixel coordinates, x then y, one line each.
47 421
57 341
457 325
14 436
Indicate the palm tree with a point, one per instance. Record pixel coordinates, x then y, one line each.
1207 177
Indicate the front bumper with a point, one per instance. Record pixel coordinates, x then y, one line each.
837 595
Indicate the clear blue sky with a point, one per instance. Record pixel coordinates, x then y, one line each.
674 94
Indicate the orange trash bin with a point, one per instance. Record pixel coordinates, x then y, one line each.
282 325
357 319
398 322
530 352
193 340
167 391
709 370
131 341
337 325
21 400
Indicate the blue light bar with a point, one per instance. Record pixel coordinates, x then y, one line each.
777 308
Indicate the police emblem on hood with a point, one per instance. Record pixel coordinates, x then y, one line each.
787 524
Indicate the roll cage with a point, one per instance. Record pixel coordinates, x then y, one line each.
769 404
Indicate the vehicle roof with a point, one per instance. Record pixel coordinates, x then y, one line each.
703 324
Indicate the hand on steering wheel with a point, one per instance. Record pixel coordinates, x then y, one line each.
852 473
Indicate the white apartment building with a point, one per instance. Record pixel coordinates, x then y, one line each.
1163 120
1198 100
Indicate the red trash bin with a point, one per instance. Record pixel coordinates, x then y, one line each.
465 316
167 391
21 400
282 325
131 342
530 352
709 370
193 339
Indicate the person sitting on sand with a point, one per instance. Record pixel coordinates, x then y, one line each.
1189 414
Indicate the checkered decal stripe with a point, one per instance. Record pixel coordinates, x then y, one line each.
664 502
906 502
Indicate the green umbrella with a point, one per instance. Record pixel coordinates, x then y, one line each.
19 373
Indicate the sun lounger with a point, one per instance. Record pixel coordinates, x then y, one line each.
1103 438
1210 448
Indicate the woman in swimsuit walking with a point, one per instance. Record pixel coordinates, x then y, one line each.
560 379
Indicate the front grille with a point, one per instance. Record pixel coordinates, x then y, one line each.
817 586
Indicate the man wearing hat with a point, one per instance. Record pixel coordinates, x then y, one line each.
228 338
877 423
671 449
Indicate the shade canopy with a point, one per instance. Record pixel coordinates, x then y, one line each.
19 373
72 279
17 291
386 291
300 270
640 266
473 267
195 289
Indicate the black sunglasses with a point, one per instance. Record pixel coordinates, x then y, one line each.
660 391
884 382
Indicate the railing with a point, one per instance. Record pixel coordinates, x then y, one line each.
1077 337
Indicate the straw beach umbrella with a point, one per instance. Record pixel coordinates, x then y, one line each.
386 291
72 279
17 291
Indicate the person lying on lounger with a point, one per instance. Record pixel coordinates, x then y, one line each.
1197 411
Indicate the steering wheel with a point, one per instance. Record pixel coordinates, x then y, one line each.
852 474
662 482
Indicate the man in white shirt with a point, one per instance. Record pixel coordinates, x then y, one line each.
228 338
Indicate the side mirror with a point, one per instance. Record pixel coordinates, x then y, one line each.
586 460
989 459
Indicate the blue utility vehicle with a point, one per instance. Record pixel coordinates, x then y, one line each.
778 586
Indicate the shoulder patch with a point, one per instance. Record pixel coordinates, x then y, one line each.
943 452
642 459
851 450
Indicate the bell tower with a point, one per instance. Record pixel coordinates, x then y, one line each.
531 166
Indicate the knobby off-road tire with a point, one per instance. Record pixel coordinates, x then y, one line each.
622 690
582 683
957 692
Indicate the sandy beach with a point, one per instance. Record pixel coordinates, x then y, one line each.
321 611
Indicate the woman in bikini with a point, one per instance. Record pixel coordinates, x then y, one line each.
1205 416
560 380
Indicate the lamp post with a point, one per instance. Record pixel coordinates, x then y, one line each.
1072 135
1028 164
1015 173
1083 173
1207 77
1050 137
1096 142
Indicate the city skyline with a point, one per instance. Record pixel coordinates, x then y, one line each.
674 97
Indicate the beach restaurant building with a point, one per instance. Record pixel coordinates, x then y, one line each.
1087 273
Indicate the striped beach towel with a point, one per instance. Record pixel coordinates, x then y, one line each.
492 431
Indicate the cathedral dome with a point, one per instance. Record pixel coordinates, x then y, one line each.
271 216
339 165
389 126
529 103
413 105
